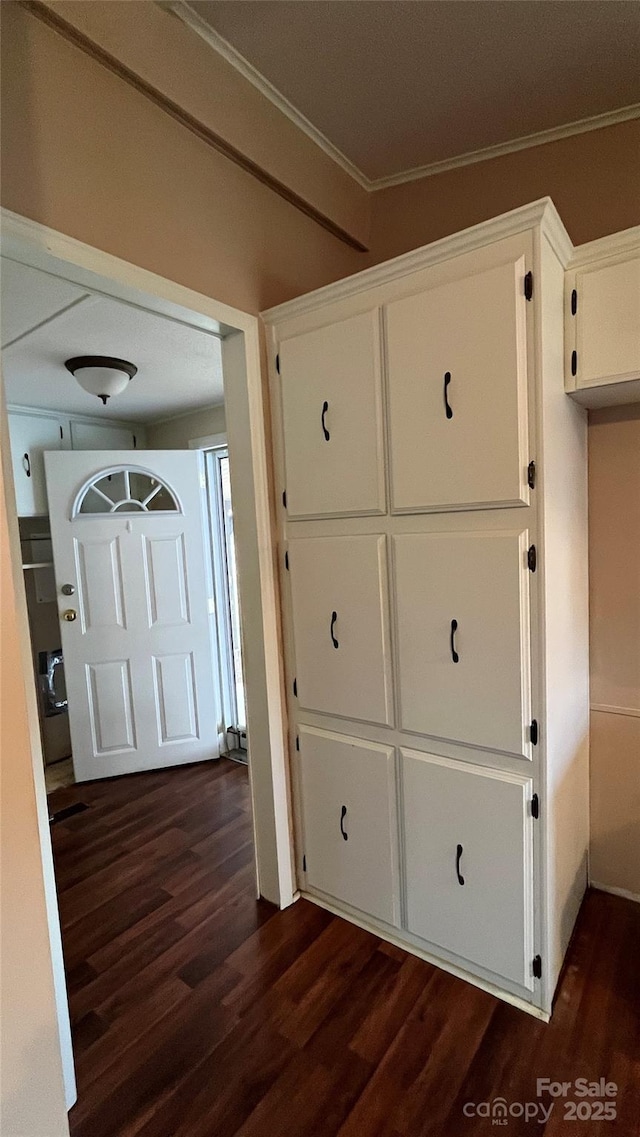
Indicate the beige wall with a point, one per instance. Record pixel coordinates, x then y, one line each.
614 527
593 178
176 433
86 154
32 1094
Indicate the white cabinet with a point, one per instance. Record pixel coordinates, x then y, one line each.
102 436
469 863
30 436
463 637
340 626
347 790
478 679
603 323
458 393
332 411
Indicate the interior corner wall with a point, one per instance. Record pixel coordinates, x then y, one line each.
614 529
87 154
593 179
32 1100
176 433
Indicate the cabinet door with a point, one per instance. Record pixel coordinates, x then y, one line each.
340 626
458 393
331 406
463 637
607 322
30 436
348 808
468 857
101 436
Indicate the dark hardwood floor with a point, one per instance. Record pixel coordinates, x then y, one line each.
200 1012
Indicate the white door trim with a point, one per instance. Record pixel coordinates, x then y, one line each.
36 245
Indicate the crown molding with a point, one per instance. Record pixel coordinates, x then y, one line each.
626 241
539 138
183 10
542 213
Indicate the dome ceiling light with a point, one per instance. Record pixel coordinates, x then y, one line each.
101 375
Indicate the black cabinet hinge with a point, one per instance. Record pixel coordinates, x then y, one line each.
537 966
532 558
284 498
528 285
574 302
286 561
574 363
533 732
297 742
304 863
295 688
535 806
278 363
531 475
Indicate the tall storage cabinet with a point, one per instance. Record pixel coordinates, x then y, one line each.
432 474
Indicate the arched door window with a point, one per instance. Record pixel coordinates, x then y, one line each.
125 489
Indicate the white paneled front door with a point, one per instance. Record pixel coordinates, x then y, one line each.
128 548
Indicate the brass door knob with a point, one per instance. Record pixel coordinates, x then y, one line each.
69 615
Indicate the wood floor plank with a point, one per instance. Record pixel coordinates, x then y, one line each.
198 1011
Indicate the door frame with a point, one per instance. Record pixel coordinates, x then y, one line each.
36 245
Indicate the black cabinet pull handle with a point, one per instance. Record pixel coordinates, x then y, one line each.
454 655
458 873
27 465
325 408
343 814
447 409
334 617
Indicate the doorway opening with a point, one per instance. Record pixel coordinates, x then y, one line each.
123 567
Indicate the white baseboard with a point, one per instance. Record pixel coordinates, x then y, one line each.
624 892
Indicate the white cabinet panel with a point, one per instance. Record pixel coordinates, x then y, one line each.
457 393
348 805
31 436
607 322
340 626
463 637
332 419
468 856
102 436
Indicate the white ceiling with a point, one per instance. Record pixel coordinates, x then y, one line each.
395 85
47 320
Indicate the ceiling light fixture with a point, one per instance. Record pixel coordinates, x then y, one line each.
101 375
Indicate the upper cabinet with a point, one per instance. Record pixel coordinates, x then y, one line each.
30 436
332 416
602 364
32 433
102 436
457 375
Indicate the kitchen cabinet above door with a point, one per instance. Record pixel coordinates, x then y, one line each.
332 419
457 375
31 435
